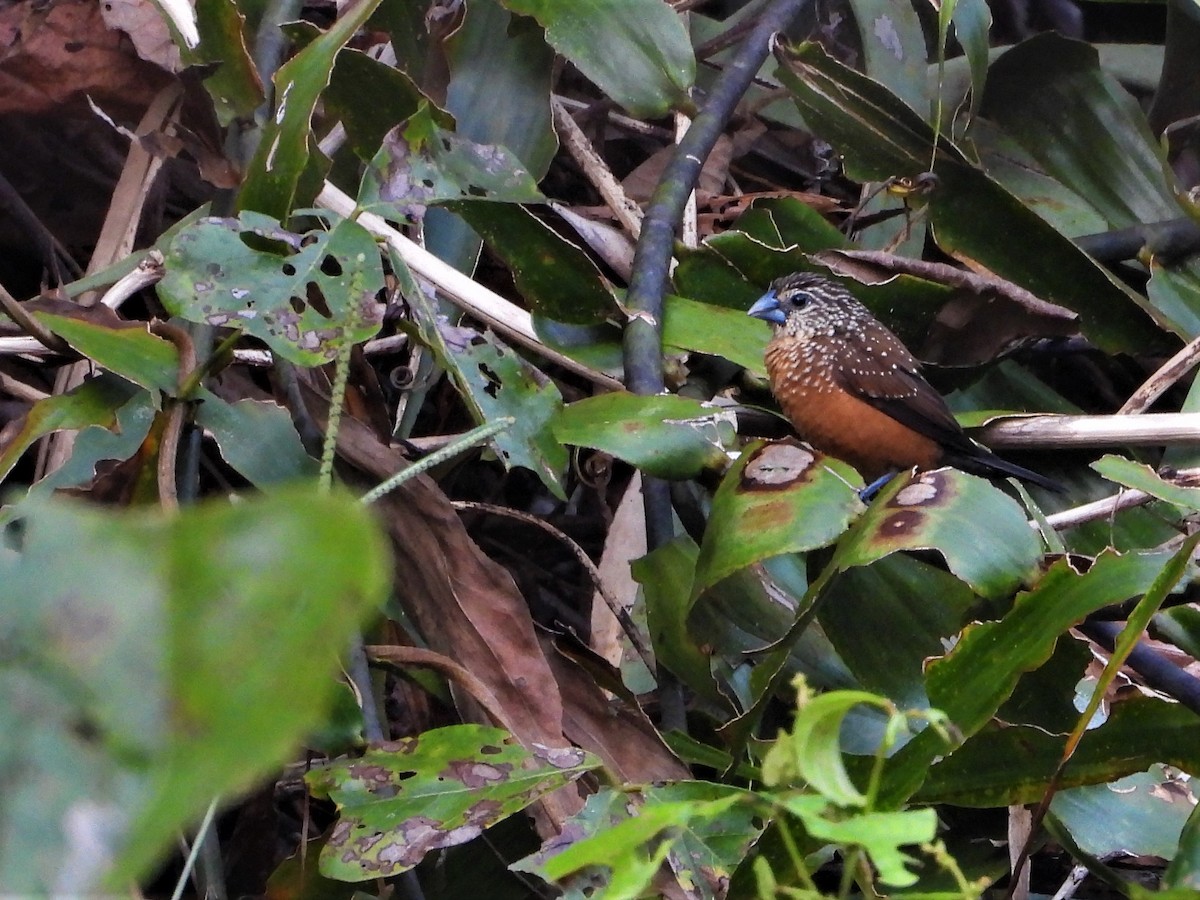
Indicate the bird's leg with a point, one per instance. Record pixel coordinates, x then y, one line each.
867 494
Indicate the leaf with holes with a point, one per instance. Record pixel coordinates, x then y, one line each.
498 383
302 294
402 799
422 163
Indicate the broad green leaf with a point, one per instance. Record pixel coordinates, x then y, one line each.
1139 815
982 534
971 214
667 436
96 402
117 690
970 683
420 164
644 61
98 443
501 76
258 439
622 848
555 277
304 304
701 853
127 348
913 607
704 328
894 52
371 98
665 575
402 799
274 175
1006 765
778 498
496 382
1089 134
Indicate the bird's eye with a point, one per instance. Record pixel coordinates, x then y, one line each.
797 301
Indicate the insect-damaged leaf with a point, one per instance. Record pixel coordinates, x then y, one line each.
402 799
304 296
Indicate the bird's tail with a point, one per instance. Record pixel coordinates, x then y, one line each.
988 464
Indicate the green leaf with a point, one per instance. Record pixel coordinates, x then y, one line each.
621 849
258 439
501 77
234 86
881 834
970 683
420 163
913 608
1088 133
279 163
778 498
371 98
1010 765
701 852
117 687
894 52
644 61
403 799
305 304
665 574
812 752
971 215
119 440
982 533
1183 872
501 383
1140 815
1143 478
127 348
704 328
555 277
667 436
94 403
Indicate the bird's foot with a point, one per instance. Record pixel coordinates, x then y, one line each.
867 494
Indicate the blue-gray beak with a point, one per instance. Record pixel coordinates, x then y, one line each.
767 307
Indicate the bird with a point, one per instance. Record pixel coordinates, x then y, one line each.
852 389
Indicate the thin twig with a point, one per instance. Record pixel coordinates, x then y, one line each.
1158 383
417 656
30 325
190 862
595 169
1050 431
610 601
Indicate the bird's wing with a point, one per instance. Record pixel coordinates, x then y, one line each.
884 374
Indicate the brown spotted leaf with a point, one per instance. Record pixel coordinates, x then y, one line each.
982 534
402 799
781 497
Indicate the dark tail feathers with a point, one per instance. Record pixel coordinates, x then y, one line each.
986 463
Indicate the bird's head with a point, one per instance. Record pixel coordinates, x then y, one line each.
807 302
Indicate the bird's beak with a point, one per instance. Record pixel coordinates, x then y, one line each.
767 307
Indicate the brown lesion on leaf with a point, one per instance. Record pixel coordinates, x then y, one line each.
778 466
901 523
